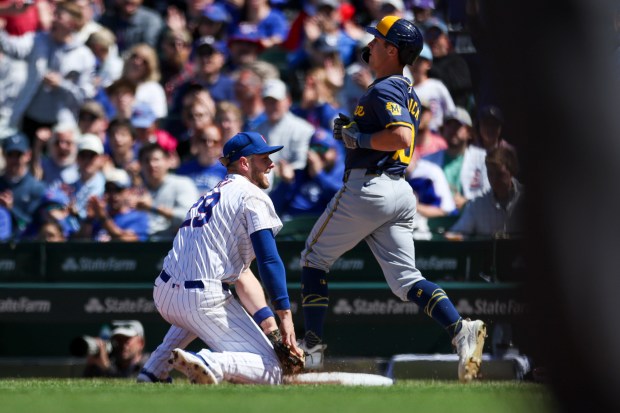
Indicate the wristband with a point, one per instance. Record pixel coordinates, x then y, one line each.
363 140
262 314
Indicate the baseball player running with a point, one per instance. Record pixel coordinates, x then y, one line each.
222 233
376 204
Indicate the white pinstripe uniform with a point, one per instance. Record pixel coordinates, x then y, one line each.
211 249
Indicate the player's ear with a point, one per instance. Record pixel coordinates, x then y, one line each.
393 50
244 162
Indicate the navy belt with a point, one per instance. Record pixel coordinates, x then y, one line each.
192 284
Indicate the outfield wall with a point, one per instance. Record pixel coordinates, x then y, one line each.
50 293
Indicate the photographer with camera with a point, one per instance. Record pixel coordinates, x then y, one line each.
121 356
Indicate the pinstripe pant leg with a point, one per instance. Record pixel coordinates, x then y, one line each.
176 337
243 352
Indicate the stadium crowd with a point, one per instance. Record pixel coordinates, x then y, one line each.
114 113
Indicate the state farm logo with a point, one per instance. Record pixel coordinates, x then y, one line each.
94 306
7 265
342 264
463 307
119 305
71 264
491 307
24 305
435 263
343 307
360 306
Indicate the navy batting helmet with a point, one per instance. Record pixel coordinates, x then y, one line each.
401 33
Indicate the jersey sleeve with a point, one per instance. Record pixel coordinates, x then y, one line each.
261 214
390 102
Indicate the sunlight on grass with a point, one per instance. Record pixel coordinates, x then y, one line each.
116 396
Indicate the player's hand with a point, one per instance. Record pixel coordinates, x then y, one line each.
350 135
339 123
287 328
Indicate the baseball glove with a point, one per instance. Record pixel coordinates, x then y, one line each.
291 363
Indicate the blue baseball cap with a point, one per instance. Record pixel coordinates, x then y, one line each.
426 53
206 45
55 196
17 142
435 23
143 116
423 4
216 13
323 137
247 33
246 144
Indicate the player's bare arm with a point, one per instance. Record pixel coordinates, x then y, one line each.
392 139
252 296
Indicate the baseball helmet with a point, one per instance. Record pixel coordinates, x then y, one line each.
401 33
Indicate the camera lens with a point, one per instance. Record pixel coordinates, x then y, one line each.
83 346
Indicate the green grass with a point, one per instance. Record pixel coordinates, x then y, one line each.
117 396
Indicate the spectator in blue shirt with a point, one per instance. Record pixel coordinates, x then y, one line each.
20 192
248 92
318 100
271 24
245 45
307 191
204 168
6 224
53 208
91 181
210 58
111 217
213 22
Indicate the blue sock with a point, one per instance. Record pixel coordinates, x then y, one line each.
436 305
315 300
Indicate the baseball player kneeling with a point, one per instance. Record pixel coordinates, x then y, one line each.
222 234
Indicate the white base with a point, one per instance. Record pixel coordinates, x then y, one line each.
345 379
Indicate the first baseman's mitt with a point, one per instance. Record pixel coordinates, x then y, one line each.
291 363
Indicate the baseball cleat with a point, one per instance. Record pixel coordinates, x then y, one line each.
146 376
314 355
469 343
193 366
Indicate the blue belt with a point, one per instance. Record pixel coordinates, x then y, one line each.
192 284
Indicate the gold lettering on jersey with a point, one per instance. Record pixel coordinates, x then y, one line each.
404 155
414 108
393 108
359 111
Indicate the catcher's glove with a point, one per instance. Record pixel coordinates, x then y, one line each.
291 363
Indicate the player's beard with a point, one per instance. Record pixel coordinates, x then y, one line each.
258 177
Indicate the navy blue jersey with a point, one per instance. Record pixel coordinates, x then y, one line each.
388 102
